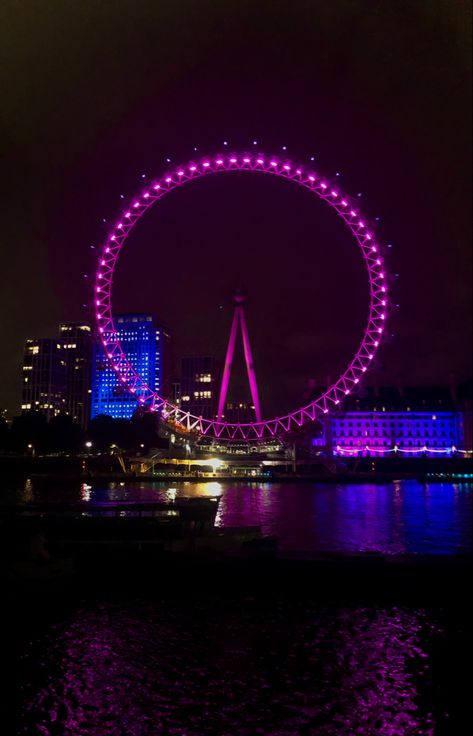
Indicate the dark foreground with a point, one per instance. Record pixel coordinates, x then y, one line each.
332 646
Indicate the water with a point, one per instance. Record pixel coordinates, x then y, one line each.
114 664
141 668
394 518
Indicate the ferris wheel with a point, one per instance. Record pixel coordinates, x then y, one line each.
259 164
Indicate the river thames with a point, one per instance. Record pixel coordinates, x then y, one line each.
393 518
146 662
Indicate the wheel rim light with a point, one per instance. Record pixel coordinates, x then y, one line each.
181 176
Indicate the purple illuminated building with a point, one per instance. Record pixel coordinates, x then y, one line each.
393 421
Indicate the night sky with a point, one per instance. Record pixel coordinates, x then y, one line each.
96 94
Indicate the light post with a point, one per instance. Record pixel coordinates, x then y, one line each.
31 449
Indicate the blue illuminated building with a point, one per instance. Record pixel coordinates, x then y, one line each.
146 347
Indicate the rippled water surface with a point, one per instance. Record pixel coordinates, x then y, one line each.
243 669
392 518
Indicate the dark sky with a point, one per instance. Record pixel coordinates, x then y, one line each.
94 94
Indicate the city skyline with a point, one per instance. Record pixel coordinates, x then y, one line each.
405 155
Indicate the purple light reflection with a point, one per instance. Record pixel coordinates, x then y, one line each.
201 668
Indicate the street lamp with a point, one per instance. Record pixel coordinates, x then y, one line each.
88 445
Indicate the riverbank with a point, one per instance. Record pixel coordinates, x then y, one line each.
354 470
254 568
343 477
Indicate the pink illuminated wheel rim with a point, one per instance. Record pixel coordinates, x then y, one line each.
182 175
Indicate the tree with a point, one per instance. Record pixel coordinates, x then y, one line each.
29 429
63 435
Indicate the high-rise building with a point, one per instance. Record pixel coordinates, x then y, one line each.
239 412
147 349
199 386
44 377
75 345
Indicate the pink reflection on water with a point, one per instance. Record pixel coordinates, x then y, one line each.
140 668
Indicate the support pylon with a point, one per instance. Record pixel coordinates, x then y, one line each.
239 317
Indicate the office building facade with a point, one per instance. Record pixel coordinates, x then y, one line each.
147 348
75 345
44 377
199 386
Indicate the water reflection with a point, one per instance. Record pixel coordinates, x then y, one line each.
85 492
28 495
140 668
392 518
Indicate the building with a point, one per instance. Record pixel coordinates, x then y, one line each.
44 377
199 386
239 412
75 344
387 421
146 346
